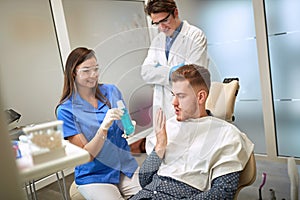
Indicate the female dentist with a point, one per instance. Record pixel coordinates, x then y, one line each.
91 122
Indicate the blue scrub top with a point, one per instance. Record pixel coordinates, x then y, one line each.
115 157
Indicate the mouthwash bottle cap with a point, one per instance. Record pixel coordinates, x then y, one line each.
120 104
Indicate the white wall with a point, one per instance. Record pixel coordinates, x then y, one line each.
31 74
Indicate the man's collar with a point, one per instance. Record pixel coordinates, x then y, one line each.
177 31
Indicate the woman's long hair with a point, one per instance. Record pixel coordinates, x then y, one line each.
75 58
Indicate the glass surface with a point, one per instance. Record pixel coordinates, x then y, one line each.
229 27
287 127
117 31
282 16
223 21
31 75
248 119
240 60
285 65
284 46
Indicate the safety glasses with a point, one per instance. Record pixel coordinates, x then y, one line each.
165 20
86 72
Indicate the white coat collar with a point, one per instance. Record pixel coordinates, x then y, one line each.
179 40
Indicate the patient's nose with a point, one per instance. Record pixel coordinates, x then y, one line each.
174 101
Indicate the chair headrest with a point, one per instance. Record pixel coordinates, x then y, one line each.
221 99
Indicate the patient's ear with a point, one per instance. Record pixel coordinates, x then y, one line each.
202 96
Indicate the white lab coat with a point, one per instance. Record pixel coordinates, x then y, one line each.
190 47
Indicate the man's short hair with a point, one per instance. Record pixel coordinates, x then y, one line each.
196 75
158 6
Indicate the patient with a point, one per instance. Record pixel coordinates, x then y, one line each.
197 156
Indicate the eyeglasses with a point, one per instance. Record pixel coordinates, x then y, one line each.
165 20
85 72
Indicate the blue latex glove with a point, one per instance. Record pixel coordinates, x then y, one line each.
174 68
157 65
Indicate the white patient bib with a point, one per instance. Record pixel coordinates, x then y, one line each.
200 150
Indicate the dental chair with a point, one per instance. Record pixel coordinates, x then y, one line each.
221 98
247 176
220 102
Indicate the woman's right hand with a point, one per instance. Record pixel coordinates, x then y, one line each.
111 115
95 145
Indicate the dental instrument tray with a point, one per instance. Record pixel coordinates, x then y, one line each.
45 141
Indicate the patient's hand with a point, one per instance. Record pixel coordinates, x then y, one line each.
161 135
